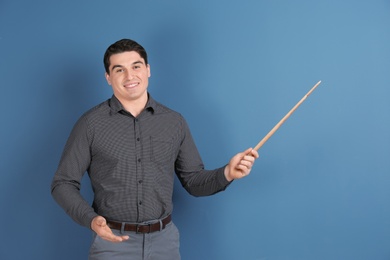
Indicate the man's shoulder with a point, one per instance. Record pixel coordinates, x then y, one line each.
161 109
97 111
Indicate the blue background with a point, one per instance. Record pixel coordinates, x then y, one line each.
233 68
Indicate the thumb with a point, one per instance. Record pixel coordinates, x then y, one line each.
100 221
247 151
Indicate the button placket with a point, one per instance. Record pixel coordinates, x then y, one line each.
139 177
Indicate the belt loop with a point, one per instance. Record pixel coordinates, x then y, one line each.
123 228
161 225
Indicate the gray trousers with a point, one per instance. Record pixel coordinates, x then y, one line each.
160 245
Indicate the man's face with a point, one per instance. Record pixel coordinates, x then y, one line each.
128 76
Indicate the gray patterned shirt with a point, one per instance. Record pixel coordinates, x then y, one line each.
131 164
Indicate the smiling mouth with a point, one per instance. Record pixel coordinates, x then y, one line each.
131 85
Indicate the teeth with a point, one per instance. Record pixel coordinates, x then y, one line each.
133 84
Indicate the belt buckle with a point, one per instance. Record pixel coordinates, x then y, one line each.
138 227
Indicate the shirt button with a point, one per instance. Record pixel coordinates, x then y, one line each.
138 139
139 160
140 181
140 202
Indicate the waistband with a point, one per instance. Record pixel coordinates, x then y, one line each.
141 228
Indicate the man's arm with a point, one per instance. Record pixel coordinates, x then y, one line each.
74 162
201 182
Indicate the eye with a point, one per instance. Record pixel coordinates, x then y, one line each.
118 70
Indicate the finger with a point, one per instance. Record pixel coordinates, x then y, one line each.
243 169
114 238
254 153
247 163
119 238
249 159
251 152
248 151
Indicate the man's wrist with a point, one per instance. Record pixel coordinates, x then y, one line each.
227 174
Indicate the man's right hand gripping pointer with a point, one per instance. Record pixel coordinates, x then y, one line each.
99 225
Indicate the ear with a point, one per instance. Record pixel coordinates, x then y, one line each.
149 74
108 78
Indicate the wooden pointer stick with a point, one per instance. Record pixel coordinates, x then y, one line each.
276 127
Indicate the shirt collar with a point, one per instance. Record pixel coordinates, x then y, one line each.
116 105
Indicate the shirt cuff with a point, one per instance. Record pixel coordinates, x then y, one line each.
222 178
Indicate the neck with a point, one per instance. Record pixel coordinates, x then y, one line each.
135 107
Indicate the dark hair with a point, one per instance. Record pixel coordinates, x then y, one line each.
120 46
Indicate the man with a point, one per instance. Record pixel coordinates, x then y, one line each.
131 145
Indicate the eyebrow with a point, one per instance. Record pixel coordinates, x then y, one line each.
121 66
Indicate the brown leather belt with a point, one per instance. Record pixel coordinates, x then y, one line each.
140 228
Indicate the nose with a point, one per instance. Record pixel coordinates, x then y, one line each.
129 75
